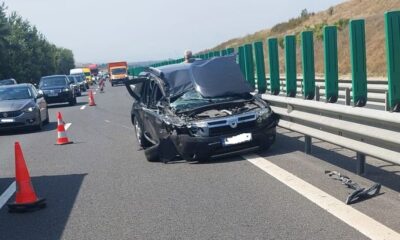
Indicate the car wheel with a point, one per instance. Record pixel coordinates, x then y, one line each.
72 102
39 127
142 141
47 120
112 84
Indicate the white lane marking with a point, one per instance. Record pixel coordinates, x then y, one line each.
7 194
107 121
354 218
67 125
83 107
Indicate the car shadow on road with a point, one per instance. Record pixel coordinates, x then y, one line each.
286 144
46 128
49 223
66 105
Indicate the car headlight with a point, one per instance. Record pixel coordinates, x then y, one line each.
66 89
29 109
199 129
263 114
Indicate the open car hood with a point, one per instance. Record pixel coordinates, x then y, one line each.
216 77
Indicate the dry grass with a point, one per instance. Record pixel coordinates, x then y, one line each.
370 10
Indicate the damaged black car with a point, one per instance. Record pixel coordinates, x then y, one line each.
197 111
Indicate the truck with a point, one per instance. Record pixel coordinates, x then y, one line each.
88 75
118 72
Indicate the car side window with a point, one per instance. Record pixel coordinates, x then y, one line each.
34 92
155 96
144 95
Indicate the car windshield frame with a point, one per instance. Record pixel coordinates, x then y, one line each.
14 93
44 82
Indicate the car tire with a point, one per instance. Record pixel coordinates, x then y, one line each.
39 127
72 102
47 120
112 84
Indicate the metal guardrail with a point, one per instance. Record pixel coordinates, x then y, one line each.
377 90
368 132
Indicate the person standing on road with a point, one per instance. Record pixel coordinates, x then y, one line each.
189 56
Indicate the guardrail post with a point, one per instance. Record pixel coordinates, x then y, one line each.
249 63
260 66
358 62
274 66
331 64
317 94
387 106
360 163
241 60
290 62
230 51
308 65
347 97
392 29
307 144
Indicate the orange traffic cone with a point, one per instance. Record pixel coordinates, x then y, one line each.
62 135
26 199
91 99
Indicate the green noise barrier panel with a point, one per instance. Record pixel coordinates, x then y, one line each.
260 66
392 30
242 60
331 64
307 46
290 63
249 63
273 57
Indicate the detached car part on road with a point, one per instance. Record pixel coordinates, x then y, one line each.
199 110
22 106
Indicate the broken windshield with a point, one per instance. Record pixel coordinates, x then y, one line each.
193 99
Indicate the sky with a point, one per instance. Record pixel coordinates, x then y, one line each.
141 30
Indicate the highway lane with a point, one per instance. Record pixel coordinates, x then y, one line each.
101 187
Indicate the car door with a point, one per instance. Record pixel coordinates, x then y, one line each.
152 117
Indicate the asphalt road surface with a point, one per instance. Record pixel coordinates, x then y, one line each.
102 187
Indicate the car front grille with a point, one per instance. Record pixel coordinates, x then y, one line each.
241 127
232 124
12 114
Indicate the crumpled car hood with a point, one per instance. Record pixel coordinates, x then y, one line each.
216 77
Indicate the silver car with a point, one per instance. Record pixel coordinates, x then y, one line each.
22 106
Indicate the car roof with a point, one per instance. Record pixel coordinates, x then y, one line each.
21 85
51 76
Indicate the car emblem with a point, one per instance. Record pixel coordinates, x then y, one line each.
5 115
233 123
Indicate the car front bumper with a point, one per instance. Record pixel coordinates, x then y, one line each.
201 148
60 98
26 119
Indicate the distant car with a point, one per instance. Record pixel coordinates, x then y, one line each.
57 89
10 81
22 106
198 111
82 83
75 85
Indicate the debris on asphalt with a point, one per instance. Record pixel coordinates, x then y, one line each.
360 193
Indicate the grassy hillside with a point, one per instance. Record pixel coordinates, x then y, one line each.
370 10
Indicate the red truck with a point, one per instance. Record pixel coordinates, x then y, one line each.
118 72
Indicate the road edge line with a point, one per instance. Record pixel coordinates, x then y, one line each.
7 194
